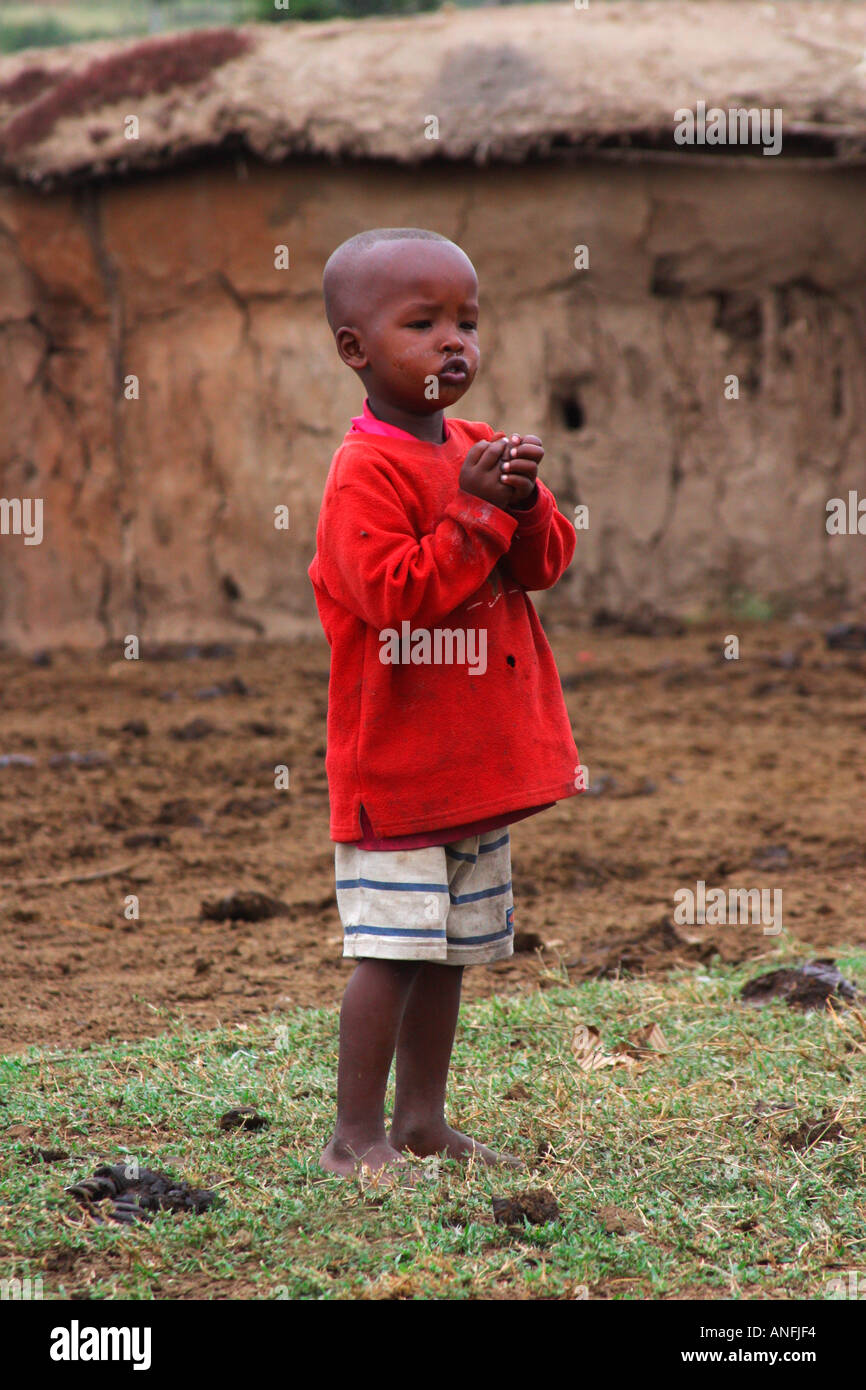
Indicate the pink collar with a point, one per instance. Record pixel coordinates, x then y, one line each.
368 423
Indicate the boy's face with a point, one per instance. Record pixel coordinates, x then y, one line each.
415 342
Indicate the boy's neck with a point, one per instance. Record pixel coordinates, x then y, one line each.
429 428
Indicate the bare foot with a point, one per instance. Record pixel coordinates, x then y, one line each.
379 1166
450 1143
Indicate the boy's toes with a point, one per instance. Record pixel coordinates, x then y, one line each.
374 1165
450 1143
496 1159
392 1175
511 1161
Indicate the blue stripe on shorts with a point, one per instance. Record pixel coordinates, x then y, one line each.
392 887
363 928
459 898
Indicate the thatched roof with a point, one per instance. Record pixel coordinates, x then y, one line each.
504 83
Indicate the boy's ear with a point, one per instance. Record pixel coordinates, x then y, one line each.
351 348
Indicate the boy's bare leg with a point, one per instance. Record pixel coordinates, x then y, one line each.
423 1056
370 1021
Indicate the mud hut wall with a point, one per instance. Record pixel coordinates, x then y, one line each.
159 508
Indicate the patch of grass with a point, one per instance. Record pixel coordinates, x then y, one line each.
687 1145
743 604
42 31
30 25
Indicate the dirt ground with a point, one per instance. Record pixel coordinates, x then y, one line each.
744 773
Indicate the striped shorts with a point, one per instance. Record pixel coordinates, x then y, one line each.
449 903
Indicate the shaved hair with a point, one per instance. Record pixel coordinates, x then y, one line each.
343 278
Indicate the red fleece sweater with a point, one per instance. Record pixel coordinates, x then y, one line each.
429 744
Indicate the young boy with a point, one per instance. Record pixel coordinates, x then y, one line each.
446 721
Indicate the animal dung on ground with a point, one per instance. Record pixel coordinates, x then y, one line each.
618 1221
846 637
603 784
138 728
771 857
263 728
661 947
517 1092
234 686
251 807
243 907
147 839
823 1130
809 986
537 1205
37 1155
194 729
243 1117
785 661
76 759
179 811
527 941
138 1198
190 651
641 620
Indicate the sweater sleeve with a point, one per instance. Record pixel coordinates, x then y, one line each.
543 544
373 563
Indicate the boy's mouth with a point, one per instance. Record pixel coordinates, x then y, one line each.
455 371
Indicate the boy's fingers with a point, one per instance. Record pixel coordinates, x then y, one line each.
529 451
522 485
524 467
477 451
482 455
492 453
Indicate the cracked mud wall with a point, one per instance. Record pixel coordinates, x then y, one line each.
158 512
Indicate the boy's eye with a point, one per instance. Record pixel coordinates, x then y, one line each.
469 324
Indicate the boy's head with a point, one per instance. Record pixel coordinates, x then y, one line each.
403 306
